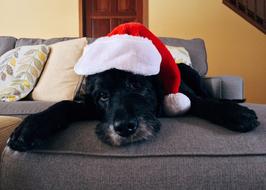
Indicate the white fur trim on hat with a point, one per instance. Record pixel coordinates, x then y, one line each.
176 104
124 52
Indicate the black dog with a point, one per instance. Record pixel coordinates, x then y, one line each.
127 106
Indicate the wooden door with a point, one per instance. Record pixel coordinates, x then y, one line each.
99 17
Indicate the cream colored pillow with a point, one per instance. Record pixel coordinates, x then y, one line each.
180 55
20 69
58 80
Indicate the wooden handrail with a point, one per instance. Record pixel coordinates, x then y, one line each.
254 11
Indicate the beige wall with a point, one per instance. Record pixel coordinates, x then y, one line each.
39 18
234 46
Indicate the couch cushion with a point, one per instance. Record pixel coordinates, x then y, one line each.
180 54
23 108
196 49
180 136
188 153
58 80
6 43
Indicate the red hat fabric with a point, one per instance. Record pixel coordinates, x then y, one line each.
169 72
134 54
132 47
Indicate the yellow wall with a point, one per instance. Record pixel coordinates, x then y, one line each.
234 46
39 18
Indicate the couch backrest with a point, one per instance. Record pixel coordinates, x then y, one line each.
37 41
195 47
6 43
197 51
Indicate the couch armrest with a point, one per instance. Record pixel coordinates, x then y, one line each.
225 87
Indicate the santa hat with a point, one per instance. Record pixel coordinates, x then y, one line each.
132 47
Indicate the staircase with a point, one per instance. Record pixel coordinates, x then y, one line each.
254 11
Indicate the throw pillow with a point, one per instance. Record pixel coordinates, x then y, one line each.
20 69
59 81
180 54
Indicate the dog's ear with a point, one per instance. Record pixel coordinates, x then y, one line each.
90 84
88 95
157 84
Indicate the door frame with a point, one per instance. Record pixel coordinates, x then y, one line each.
81 20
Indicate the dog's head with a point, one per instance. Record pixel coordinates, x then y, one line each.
128 105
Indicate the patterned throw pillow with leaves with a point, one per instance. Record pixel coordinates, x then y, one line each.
20 69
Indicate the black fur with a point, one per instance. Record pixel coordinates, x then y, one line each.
128 106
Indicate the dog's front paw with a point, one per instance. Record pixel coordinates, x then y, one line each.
24 136
242 119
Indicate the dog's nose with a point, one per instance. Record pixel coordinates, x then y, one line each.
126 128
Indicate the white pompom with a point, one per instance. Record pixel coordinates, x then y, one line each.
176 104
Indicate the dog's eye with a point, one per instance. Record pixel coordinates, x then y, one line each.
134 85
103 97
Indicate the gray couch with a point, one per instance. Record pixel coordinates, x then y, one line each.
188 153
